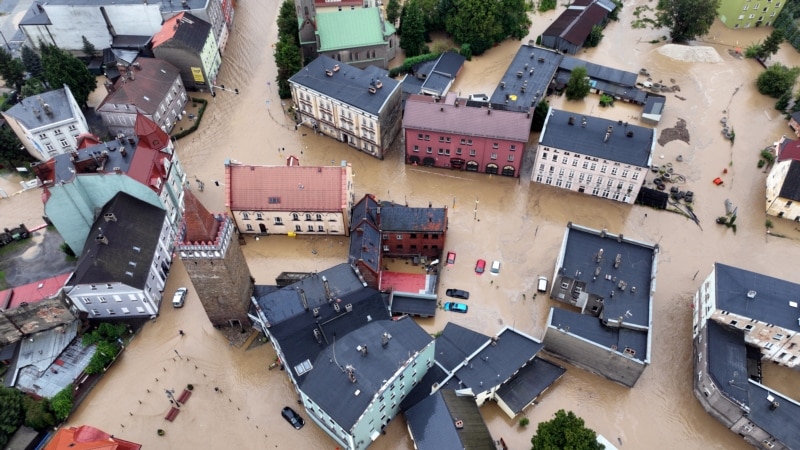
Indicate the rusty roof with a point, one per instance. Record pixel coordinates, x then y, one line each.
285 188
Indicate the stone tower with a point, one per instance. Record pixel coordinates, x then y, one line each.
210 250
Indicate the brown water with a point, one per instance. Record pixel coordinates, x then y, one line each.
517 222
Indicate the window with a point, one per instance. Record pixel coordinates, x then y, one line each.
494 156
510 158
125 310
246 216
427 137
58 132
635 175
64 143
311 228
259 216
441 138
308 216
593 166
564 159
86 300
319 217
43 136
320 228
297 228
458 151
295 216
416 149
429 150
544 156
473 152
469 141
399 237
278 221
513 147
585 165
495 145
420 136
249 227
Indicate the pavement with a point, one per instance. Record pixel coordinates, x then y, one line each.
40 257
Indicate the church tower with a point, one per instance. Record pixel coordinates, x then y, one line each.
210 250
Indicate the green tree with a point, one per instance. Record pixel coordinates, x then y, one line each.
771 45
594 37
578 85
38 414
62 403
393 11
88 48
10 153
477 23
614 15
547 5
514 18
776 80
287 22
686 19
33 86
289 62
412 30
11 413
783 101
565 431
11 69
61 68
32 63
430 16
539 116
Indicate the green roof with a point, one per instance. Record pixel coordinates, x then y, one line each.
350 29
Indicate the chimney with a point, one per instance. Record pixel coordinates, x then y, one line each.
101 239
608 133
583 121
110 217
571 120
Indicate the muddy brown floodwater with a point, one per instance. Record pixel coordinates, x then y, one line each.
516 221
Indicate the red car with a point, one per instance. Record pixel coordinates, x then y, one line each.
451 258
480 266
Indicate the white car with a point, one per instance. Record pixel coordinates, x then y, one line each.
179 298
495 268
541 285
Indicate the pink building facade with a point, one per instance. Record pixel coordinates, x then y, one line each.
451 135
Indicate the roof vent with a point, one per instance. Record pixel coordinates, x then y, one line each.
329 73
101 239
571 120
583 121
372 90
751 294
540 59
335 67
629 134
459 424
519 74
348 307
110 217
378 84
47 109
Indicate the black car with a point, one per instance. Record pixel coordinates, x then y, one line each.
293 418
457 293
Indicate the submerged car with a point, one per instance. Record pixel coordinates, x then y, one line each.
480 266
495 269
179 298
293 418
451 258
457 307
457 293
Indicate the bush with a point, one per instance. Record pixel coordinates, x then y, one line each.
67 250
547 5
466 51
409 63
606 100
761 163
768 155
38 414
160 432
62 403
523 422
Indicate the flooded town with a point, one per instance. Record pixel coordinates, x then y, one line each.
238 384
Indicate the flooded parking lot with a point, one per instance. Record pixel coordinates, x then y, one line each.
512 220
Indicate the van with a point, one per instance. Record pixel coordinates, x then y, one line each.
541 285
179 298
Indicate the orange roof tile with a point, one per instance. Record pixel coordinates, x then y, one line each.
296 188
87 437
167 30
201 225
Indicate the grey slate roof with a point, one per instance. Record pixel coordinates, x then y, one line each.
394 217
790 188
422 390
654 105
589 139
796 116
635 268
432 423
26 110
132 241
35 16
543 62
592 329
771 301
192 32
495 364
365 209
441 74
531 381
455 344
783 422
599 72
65 167
365 245
414 305
349 85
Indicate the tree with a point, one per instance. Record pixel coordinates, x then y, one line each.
547 5
477 23
771 45
32 63
514 18
686 19
33 86
62 402
776 80
393 11
11 413
105 354
594 37
12 70
287 23
539 116
565 431
783 101
61 68
38 414
287 50
88 48
412 30
578 85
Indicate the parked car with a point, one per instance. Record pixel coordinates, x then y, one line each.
293 418
457 293
495 269
451 258
179 298
457 307
541 285
480 266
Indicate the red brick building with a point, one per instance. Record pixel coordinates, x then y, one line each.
450 134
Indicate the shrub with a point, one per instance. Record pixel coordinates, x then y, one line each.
196 124
547 5
160 432
523 422
466 51
62 403
606 100
409 63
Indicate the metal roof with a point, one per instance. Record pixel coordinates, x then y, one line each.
351 28
395 218
529 383
588 135
771 301
432 423
455 344
415 305
349 85
532 69
498 361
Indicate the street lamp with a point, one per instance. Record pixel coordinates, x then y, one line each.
223 88
171 397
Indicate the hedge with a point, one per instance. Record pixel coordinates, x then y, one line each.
203 102
409 63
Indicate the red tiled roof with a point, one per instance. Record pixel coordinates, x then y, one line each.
149 133
403 282
87 437
33 292
86 140
201 226
297 188
147 165
789 150
167 30
422 114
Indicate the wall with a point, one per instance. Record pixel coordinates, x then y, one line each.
282 222
580 173
401 244
182 58
595 358
746 14
776 205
